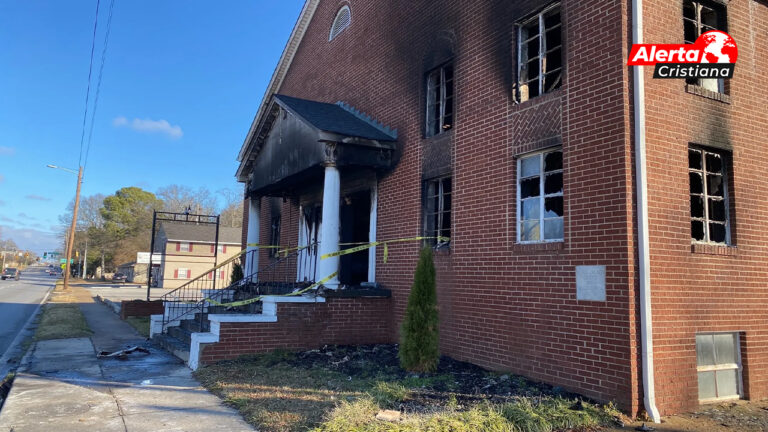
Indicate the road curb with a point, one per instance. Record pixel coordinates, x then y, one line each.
4 365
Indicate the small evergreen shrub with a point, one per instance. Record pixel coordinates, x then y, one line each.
419 351
237 274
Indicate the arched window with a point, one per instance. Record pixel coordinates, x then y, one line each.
341 22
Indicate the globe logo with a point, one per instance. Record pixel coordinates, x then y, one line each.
718 47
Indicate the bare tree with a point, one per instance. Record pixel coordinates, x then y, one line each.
232 211
177 198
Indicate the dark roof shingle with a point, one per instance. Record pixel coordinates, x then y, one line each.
334 118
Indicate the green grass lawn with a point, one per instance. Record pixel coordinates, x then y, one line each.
141 324
61 321
342 390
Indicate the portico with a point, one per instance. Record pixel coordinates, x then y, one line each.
326 160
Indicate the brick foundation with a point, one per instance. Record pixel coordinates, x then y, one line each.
140 308
338 321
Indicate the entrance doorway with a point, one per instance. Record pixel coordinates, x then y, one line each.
355 221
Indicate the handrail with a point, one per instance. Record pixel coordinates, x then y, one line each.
205 273
188 300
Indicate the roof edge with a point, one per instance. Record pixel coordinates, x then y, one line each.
307 12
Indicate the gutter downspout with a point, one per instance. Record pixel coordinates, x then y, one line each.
641 179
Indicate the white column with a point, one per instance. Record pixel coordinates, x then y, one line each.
254 216
329 231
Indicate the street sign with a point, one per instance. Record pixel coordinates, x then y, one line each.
64 260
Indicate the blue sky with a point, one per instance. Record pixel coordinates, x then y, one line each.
182 82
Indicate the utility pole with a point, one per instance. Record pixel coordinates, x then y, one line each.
73 226
85 259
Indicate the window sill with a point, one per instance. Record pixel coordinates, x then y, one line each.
442 136
714 249
709 94
538 247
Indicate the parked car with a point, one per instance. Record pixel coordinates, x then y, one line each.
10 273
119 277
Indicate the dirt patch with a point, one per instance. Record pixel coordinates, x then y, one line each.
739 416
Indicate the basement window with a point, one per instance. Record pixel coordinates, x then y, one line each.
540 197
341 22
709 195
439 100
718 364
700 17
438 203
540 54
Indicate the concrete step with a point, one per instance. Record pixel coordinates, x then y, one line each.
180 333
173 345
195 325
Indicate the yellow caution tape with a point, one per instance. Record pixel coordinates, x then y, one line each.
256 299
385 243
359 246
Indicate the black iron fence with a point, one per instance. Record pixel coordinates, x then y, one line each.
193 299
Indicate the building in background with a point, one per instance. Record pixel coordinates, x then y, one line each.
188 250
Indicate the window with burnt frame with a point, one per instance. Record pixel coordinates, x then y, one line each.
438 203
439 100
540 212
540 53
707 173
700 17
274 235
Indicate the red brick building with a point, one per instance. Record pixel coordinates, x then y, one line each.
510 127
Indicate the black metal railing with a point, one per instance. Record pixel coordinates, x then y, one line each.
192 300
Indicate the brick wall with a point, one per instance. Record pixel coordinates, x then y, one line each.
513 307
140 308
503 306
338 321
704 288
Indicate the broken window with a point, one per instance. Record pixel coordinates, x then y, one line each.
539 53
438 204
700 17
718 363
540 197
274 235
709 196
439 100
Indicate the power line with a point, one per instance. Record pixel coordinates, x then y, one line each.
88 91
98 85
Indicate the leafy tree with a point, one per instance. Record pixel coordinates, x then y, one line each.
128 221
419 350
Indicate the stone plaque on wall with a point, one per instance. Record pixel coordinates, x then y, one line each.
590 283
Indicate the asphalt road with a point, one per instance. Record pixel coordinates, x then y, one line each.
19 300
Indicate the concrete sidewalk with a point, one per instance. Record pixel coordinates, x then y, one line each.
64 387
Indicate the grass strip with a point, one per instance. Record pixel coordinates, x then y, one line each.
61 321
141 324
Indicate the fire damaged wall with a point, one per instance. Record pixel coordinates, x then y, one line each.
504 305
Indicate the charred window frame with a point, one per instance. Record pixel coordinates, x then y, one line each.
708 181
540 210
540 53
274 235
438 203
700 17
440 104
275 220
